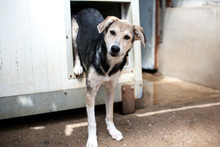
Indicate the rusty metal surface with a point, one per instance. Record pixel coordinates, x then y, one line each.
169 3
157 33
128 99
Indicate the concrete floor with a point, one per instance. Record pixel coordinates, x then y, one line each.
172 113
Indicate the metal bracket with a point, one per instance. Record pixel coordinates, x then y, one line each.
128 99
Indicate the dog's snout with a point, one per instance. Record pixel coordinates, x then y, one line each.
115 49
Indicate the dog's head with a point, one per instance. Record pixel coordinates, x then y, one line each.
120 35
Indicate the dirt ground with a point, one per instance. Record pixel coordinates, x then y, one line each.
171 113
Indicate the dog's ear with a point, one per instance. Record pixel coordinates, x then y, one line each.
105 23
139 34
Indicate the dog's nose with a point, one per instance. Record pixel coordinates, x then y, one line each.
115 49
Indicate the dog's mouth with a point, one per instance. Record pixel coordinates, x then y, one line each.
114 55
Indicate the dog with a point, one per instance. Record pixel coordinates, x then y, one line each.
100 49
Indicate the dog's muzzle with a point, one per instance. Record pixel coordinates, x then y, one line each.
115 50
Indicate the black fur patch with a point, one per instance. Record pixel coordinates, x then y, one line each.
99 60
88 87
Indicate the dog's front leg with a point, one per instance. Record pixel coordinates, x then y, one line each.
90 107
109 100
77 64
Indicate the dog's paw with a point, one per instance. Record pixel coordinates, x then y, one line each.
78 70
115 134
92 141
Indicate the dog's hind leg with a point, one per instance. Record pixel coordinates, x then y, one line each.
109 100
77 65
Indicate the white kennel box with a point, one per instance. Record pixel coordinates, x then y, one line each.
36 61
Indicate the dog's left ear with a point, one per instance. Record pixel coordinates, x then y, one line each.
105 23
139 34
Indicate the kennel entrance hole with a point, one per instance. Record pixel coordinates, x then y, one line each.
106 8
118 9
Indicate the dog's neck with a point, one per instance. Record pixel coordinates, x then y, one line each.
114 60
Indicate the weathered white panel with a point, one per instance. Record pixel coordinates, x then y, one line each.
67 57
12 40
32 36
9 56
23 46
5 72
137 51
52 23
38 44
24 105
36 49
36 61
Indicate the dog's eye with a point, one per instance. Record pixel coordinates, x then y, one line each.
127 37
112 33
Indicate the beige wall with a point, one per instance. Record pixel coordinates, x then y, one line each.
191 45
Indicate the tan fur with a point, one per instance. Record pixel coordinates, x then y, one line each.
105 23
121 28
139 34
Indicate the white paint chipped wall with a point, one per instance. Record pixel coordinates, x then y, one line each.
36 49
36 58
33 41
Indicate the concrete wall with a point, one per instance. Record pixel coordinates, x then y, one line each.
193 3
191 45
